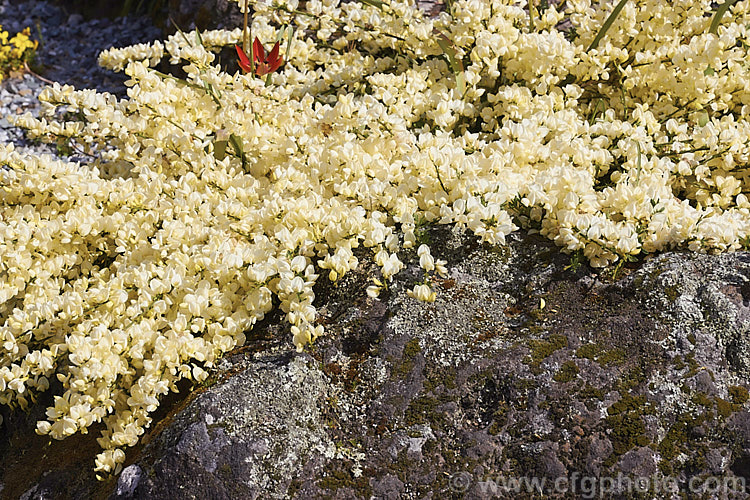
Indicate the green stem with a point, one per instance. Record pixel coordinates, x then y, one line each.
720 11
246 39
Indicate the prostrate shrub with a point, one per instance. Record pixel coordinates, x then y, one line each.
216 198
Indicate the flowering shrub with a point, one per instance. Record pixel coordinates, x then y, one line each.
16 51
216 198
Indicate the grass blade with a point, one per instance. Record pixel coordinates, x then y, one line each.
720 11
289 43
181 32
607 24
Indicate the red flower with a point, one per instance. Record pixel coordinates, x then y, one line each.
263 64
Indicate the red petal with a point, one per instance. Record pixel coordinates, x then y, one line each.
273 59
244 61
259 53
274 54
275 64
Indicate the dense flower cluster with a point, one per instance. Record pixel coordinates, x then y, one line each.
218 197
15 50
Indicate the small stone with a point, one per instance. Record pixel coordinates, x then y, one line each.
388 487
75 19
639 462
128 481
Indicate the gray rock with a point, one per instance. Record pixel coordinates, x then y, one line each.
75 19
245 438
128 481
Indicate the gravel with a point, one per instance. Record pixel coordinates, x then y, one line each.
68 50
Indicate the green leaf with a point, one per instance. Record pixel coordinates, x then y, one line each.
455 63
236 142
280 35
638 145
449 6
210 90
720 11
598 110
220 150
198 37
709 71
373 3
702 118
279 38
291 30
607 24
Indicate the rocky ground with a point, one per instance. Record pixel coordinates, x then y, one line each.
640 378
527 367
69 45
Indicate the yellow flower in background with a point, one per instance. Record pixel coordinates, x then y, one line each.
15 51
